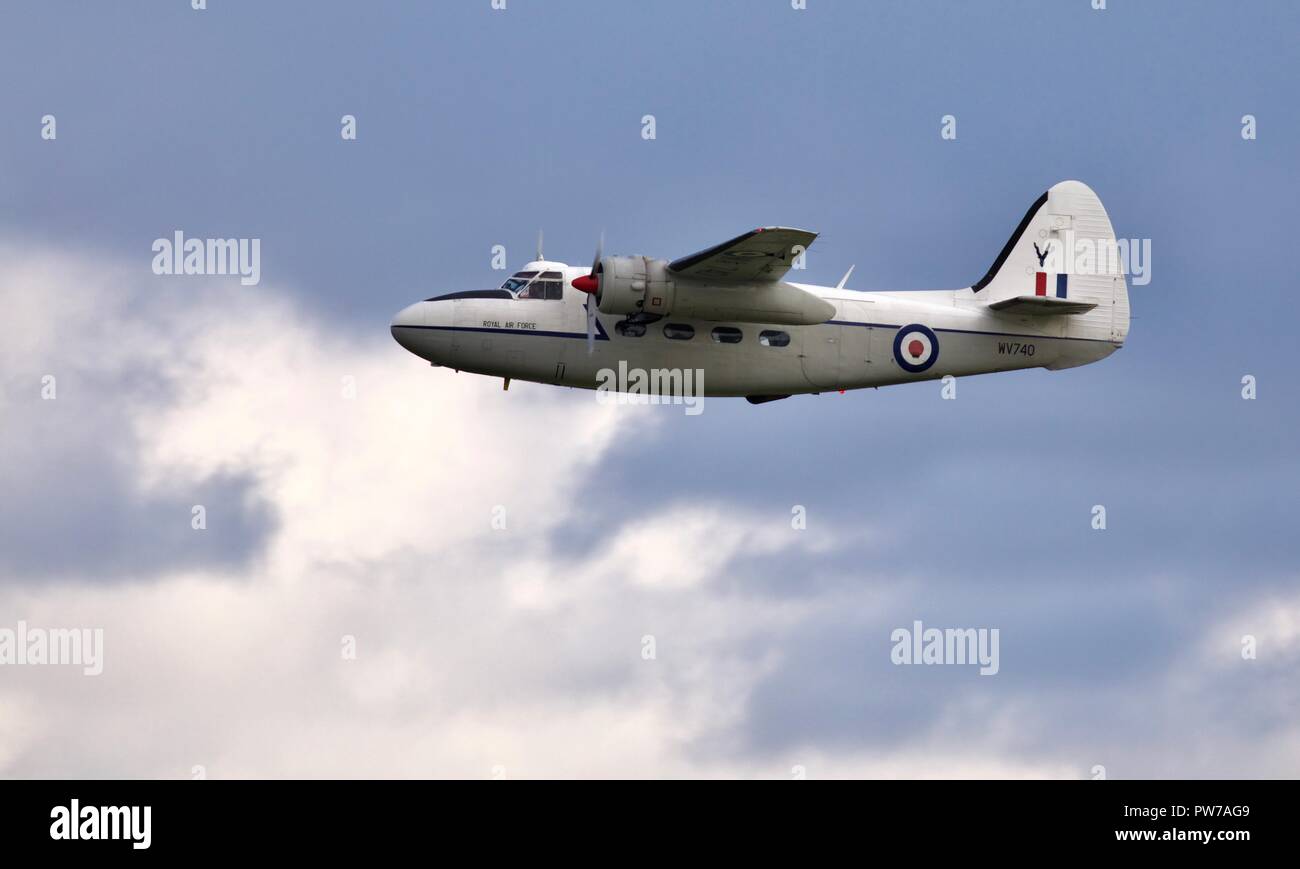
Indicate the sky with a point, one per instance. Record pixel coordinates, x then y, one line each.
353 606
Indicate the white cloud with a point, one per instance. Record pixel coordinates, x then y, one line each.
476 648
1273 623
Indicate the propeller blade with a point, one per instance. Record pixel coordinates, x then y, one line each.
591 324
589 283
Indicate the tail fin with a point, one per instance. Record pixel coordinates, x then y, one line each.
1062 259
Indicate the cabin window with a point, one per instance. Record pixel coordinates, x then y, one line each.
679 331
727 335
774 338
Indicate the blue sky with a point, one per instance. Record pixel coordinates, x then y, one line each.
478 127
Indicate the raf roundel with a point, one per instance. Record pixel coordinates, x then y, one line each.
915 348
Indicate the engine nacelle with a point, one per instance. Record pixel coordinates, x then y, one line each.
629 285
634 285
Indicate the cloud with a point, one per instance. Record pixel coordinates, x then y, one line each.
350 493
79 381
373 481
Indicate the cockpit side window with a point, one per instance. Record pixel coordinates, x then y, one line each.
552 285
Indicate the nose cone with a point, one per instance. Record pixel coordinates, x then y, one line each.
406 325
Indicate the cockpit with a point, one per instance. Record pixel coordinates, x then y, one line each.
535 285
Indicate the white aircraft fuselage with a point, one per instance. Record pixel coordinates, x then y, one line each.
536 327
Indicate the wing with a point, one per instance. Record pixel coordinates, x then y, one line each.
763 254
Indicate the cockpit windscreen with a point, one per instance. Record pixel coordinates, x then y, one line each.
528 285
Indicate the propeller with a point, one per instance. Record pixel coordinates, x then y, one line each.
590 284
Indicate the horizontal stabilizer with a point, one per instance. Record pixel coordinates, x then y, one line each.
1040 306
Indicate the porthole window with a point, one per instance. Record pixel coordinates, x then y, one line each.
629 330
679 331
727 335
774 338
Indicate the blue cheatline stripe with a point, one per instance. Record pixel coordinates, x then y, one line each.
1060 285
971 332
601 334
